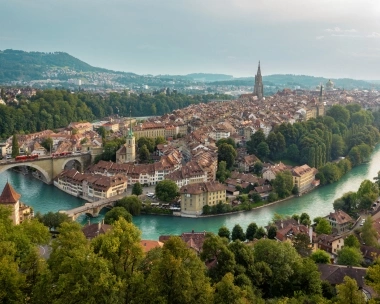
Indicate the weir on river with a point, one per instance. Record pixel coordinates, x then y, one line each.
45 198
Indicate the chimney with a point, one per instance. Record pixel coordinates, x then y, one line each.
99 226
282 224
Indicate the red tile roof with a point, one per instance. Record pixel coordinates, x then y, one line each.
9 195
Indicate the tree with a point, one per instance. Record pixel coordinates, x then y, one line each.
305 219
144 155
227 292
137 189
224 232
320 257
15 147
272 232
369 234
349 293
340 114
302 244
373 276
122 250
256 139
260 233
350 256
251 231
178 276
283 184
227 153
351 241
53 220
238 233
293 153
323 227
47 143
160 140
222 174
263 150
148 142
215 248
337 146
284 265
115 214
130 203
228 140
167 190
258 168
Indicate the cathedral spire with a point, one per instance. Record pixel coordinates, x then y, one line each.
130 133
259 69
258 88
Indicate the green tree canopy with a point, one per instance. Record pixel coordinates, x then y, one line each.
283 184
351 241
224 232
348 292
350 256
115 214
256 139
130 203
15 147
144 155
227 153
238 233
320 257
137 189
251 231
323 227
369 234
167 190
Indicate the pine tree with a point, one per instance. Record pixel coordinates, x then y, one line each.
15 147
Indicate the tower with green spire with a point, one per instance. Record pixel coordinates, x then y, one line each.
130 144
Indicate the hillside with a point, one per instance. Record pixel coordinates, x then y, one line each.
303 81
25 66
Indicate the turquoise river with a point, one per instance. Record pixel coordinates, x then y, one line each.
45 198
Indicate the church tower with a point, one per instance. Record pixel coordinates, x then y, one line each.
259 88
10 198
320 105
130 145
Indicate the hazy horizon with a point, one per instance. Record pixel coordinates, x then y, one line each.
168 37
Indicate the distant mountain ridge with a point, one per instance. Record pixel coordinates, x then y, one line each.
16 65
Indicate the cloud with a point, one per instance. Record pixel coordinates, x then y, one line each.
319 37
374 35
346 35
339 30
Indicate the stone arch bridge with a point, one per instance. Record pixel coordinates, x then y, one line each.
49 167
93 208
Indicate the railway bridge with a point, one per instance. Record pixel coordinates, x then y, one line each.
47 166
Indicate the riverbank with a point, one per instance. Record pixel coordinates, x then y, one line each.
45 198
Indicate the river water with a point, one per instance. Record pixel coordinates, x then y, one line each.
45 198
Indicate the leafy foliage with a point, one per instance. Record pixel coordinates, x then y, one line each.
167 190
117 213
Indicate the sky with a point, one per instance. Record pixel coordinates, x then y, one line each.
329 38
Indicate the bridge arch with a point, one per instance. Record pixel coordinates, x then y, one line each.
45 174
76 159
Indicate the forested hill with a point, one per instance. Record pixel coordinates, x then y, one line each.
52 109
25 66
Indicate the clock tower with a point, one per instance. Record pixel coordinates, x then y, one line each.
130 145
